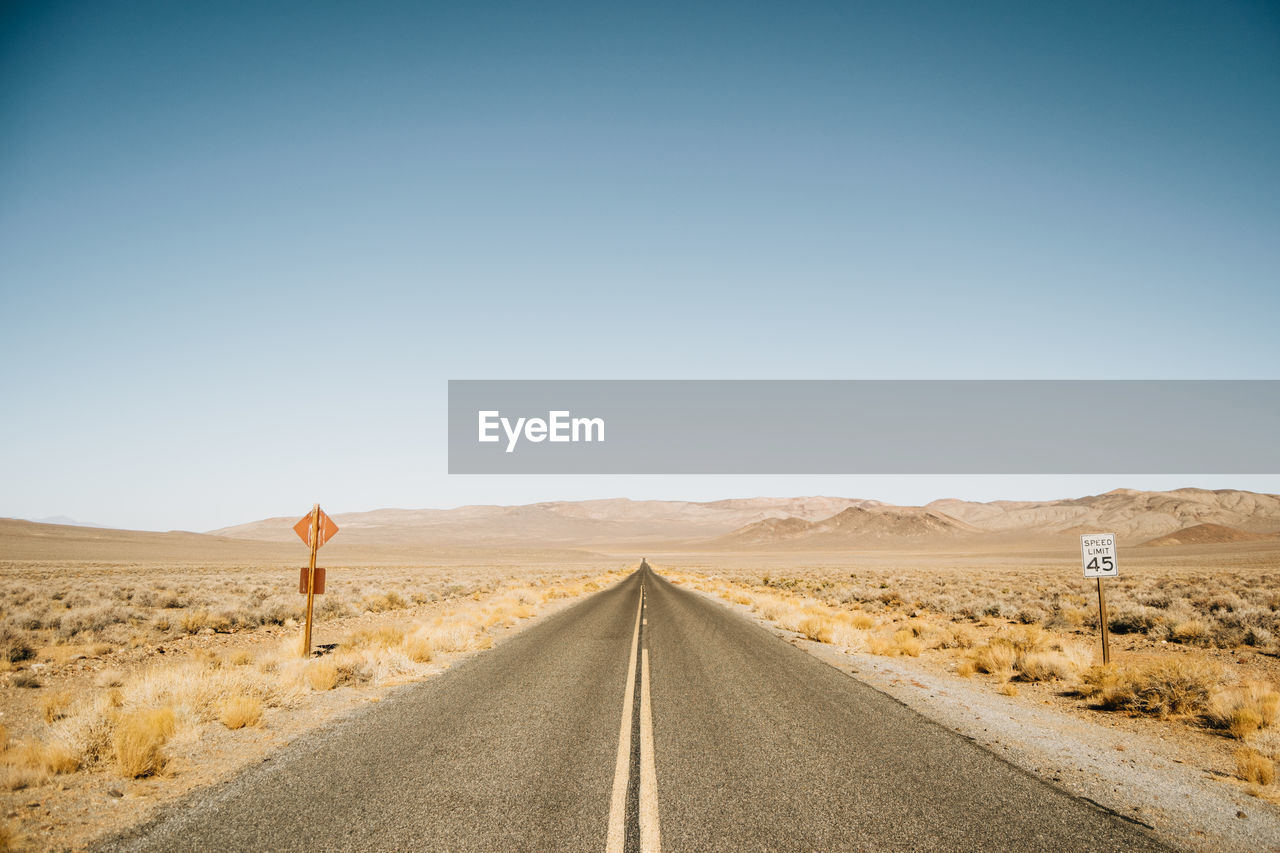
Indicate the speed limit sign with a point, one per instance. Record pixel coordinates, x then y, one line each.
1098 555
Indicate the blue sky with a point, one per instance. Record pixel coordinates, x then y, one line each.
244 246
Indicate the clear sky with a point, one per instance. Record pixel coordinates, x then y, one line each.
243 246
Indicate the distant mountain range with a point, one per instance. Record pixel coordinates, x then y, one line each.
818 523
62 519
562 523
1178 517
855 526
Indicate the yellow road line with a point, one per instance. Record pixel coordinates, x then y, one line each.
618 805
650 837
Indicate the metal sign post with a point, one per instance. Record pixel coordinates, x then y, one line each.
1098 557
315 529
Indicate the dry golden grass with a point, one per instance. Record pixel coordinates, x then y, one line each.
17 777
55 705
32 763
1162 687
381 637
861 621
902 643
240 711
193 621
418 648
54 757
1192 631
817 628
59 758
452 636
196 690
139 741
1244 709
995 658
10 837
953 637
1045 666
383 602
1253 766
1039 656
848 638
322 675
513 611
110 678
1244 722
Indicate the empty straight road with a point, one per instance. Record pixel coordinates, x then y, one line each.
615 725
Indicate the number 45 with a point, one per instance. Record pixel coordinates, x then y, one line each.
1107 564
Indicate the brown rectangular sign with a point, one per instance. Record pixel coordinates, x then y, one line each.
302 581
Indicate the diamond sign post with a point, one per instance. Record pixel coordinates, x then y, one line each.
315 528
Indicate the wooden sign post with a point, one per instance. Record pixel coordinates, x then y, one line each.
315 529
1098 556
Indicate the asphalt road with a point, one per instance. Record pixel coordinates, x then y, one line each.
696 730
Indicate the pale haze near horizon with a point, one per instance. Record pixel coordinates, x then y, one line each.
242 251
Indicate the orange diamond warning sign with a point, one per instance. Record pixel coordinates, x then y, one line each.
327 527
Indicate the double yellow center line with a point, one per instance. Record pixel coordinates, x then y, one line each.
649 836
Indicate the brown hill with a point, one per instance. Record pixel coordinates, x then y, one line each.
768 532
29 541
1128 513
855 527
1207 534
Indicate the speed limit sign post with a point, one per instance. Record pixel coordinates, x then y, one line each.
1098 557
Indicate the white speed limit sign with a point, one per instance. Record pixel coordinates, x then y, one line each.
1098 555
